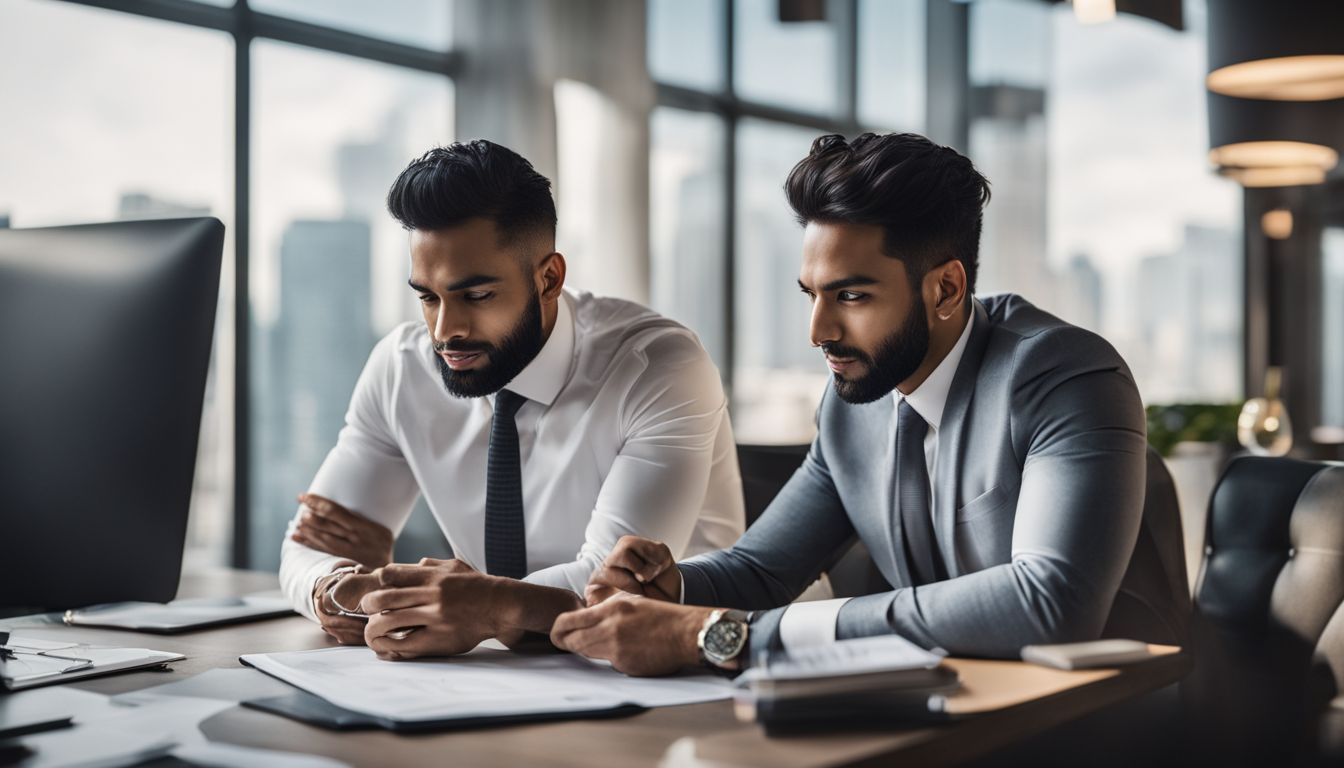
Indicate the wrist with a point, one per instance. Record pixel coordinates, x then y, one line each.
690 636
522 607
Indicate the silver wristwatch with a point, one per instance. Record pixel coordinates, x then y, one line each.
723 638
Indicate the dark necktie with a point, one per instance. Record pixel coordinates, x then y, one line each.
912 494
505 534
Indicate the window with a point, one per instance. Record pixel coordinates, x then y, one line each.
423 23
96 139
1105 211
686 226
1332 336
719 220
329 266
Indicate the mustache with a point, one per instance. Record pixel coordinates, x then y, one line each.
463 346
845 353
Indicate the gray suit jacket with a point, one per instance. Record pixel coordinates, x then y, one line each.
1039 497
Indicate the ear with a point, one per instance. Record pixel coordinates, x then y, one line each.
550 276
946 289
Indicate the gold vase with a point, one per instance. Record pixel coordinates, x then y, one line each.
1263 426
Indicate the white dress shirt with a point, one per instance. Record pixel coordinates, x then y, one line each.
625 431
805 625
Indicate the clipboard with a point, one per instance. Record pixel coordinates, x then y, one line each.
314 710
181 615
30 663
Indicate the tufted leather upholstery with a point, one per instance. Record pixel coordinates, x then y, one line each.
1268 635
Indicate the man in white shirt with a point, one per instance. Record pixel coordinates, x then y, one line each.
989 455
541 425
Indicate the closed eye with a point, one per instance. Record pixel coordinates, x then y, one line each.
427 298
478 296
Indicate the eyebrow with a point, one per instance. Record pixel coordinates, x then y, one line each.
844 282
460 285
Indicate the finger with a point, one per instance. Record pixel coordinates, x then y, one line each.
311 522
330 511
433 562
388 621
574 621
321 542
597 593
407 575
652 559
615 578
400 597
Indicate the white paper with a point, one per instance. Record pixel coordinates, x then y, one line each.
481 683
884 653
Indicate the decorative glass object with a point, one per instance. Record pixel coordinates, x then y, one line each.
1263 426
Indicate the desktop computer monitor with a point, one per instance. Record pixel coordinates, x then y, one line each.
105 335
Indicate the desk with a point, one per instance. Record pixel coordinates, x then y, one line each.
699 734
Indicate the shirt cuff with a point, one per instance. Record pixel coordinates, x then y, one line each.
809 625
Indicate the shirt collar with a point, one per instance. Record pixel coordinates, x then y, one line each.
930 398
544 377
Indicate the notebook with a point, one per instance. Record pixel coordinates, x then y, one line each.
28 662
181 615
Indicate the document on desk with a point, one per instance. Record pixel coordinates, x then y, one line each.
482 683
27 662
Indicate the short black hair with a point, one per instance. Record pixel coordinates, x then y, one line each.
928 199
449 185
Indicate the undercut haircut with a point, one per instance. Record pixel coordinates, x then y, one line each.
450 185
928 199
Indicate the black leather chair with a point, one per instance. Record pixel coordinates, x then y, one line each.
1268 632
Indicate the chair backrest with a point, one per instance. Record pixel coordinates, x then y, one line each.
765 470
1269 629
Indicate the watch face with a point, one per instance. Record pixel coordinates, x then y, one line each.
725 639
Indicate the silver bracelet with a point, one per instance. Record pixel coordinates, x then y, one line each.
330 594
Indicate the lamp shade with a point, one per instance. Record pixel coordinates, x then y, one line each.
1276 50
1274 143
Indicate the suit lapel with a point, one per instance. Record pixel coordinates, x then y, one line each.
950 435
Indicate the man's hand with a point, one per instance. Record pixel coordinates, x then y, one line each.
639 566
455 607
639 636
331 528
352 589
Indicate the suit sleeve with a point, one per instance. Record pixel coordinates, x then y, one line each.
798 535
1078 425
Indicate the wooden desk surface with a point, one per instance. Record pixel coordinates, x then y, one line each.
693 735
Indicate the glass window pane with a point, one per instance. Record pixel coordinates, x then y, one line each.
423 23
686 227
128 118
1104 209
778 377
794 64
686 43
892 64
329 265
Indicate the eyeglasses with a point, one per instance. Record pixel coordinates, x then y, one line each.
10 653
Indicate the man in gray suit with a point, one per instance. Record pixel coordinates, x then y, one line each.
990 456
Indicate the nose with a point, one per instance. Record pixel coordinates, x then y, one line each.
448 324
823 329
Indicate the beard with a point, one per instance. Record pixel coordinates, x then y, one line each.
505 360
897 357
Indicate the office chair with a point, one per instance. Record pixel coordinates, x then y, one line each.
1267 686
765 469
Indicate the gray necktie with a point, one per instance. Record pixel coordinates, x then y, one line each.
505 534
912 495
